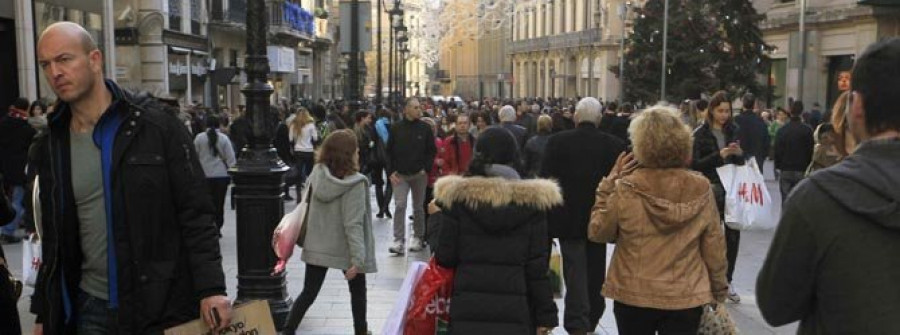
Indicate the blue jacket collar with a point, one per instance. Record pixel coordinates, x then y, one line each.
63 113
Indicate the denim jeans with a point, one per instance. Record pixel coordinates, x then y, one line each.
18 194
93 316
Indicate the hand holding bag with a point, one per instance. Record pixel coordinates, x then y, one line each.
716 321
748 205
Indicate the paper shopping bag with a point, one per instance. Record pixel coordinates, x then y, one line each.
397 319
430 307
250 318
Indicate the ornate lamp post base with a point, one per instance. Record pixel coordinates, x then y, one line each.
258 178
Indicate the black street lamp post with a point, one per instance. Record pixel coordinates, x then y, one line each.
395 17
378 81
402 38
352 92
258 180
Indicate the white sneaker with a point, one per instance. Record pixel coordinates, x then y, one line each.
415 244
732 295
397 248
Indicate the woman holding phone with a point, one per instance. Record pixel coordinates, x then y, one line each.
716 144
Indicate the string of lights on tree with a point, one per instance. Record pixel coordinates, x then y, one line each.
446 22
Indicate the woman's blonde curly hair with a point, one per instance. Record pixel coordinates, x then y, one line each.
660 139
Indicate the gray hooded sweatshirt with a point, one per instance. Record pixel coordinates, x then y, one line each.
339 231
834 263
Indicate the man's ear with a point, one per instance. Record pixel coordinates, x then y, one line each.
96 57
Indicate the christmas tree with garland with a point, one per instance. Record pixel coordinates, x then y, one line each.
713 45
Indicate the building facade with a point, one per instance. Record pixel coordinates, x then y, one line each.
21 22
836 32
189 50
473 67
564 48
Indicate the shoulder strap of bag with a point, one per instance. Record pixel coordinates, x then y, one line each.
36 205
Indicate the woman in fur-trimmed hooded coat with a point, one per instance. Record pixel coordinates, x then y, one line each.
494 233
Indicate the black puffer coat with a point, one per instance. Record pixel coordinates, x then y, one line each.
166 244
494 233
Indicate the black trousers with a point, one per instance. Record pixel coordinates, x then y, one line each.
218 188
732 244
732 236
584 271
384 192
315 276
303 161
9 313
633 320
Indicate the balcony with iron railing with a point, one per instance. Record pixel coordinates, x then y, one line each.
289 19
576 39
229 12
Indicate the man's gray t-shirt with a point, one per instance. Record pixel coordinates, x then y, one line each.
87 184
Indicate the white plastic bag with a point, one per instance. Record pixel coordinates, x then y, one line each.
748 205
31 259
397 319
32 256
291 231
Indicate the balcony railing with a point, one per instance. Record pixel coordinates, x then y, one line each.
229 11
290 19
569 40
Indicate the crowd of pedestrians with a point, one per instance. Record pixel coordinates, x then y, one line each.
134 190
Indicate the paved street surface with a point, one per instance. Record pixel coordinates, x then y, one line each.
330 314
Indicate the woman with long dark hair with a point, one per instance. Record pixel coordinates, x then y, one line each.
37 115
716 144
216 156
339 231
494 233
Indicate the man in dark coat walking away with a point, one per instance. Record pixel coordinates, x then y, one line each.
129 243
753 133
578 159
507 117
9 313
15 137
833 262
794 146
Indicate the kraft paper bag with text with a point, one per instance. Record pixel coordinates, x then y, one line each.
250 318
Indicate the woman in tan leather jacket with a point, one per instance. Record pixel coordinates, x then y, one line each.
669 259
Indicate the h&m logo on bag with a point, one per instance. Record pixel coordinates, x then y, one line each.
751 193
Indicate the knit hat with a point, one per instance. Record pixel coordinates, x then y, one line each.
497 146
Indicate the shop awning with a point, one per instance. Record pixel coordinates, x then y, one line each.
891 3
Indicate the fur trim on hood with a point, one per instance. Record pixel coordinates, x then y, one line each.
497 192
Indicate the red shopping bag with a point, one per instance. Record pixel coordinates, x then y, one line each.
429 312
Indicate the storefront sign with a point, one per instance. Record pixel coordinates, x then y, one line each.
281 59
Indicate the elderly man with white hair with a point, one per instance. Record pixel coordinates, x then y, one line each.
507 116
578 159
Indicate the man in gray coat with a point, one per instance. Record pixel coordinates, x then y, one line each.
833 263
